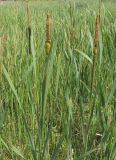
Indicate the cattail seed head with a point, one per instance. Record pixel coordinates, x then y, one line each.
96 37
48 36
47 47
48 25
29 29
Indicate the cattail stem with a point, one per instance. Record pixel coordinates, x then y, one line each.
48 35
96 40
29 29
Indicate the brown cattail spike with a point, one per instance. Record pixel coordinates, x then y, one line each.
96 40
48 36
29 29
48 25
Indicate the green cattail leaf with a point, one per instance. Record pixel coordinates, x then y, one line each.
57 149
4 143
113 152
100 47
11 84
113 90
46 80
88 153
16 151
84 55
34 55
2 117
58 72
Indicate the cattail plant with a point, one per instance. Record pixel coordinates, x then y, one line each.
48 36
29 29
96 40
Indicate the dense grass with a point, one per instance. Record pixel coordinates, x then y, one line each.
47 110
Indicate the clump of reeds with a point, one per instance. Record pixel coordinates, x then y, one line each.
96 40
48 35
29 29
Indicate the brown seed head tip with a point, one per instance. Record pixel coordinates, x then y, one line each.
48 20
48 28
97 20
96 38
48 16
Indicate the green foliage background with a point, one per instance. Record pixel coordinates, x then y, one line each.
47 111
